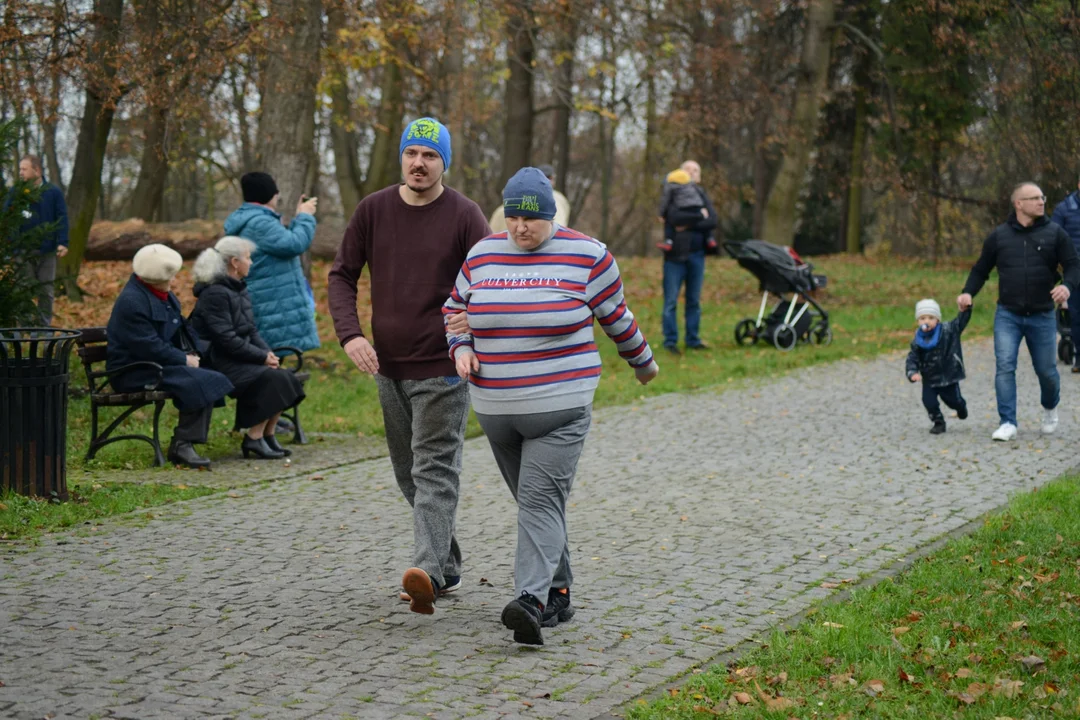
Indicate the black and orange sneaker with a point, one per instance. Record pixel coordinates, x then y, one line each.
558 608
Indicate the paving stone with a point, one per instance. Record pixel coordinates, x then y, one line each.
697 521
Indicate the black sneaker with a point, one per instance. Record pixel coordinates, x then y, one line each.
939 427
523 616
961 412
699 346
558 608
673 350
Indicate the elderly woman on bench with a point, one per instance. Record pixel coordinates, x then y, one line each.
147 325
223 316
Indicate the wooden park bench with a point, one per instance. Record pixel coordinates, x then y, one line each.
92 348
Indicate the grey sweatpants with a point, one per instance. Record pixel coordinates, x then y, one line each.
538 456
42 270
425 429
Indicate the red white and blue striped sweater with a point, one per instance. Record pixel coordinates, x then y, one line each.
531 314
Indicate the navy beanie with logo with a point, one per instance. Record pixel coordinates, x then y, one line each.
529 194
258 187
428 132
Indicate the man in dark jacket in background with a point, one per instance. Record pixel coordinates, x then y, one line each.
49 208
1067 215
685 263
1027 250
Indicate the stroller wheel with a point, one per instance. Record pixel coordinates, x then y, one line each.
821 334
746 332
784 337
1065 350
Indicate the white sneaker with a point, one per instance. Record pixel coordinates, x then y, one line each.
1050 421
1007 431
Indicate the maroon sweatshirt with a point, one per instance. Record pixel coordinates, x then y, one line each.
413 254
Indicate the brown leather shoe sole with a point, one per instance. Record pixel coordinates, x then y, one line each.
417 585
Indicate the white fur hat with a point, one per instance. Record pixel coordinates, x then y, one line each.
927 307
156 263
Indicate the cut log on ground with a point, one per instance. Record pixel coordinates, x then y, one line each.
121 240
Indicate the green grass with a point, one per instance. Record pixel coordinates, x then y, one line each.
23 518
947 638
871 306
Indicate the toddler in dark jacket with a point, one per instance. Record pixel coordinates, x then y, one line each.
937 360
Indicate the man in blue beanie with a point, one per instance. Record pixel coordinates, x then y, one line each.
413 237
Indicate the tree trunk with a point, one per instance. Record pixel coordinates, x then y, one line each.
238 86
810 84
853 243
48 129
94 128
564 97
935 200
518 102
343 138
384 166
647 186
153 169
287 122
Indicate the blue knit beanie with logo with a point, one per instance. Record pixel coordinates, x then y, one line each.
430 133
529 194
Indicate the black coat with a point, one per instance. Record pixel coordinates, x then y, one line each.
698 230
223 316
1027 260
143 327
942 364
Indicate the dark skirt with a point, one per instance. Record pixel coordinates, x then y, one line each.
273 391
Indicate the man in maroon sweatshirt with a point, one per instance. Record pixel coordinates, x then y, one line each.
414 237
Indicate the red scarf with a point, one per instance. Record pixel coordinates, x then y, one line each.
162 295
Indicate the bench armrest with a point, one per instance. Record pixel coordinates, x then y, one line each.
295 351
109 375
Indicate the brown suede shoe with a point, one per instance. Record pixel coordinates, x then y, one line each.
421 591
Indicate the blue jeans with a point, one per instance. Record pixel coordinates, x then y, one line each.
1039 330
691 272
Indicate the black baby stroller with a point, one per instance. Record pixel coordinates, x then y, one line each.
781 272
1065 343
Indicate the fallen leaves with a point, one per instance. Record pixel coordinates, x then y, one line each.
831 625
1033 664
774 703
842 680
873 688
743 698
897 632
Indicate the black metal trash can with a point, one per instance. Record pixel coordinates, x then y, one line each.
33 410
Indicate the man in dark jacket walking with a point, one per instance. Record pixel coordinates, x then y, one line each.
49 208
1027 250
1067 215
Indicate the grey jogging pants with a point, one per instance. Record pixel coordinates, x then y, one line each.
538 456
425 429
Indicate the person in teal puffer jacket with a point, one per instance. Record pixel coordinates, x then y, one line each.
280 294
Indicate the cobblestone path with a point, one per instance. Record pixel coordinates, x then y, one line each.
698 521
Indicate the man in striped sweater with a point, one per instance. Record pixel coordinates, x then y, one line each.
531 295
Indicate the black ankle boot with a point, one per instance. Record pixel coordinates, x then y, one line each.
259 448
273 444
939 427
181 452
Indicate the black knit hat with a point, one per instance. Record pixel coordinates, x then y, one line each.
258 187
